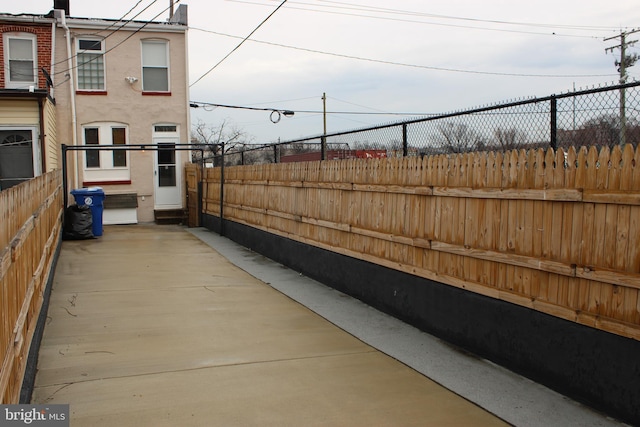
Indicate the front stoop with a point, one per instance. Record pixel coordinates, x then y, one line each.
170 216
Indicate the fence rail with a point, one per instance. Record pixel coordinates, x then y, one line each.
600 117
555 231
30 226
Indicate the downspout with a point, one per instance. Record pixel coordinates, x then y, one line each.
52 66
72 91
42 136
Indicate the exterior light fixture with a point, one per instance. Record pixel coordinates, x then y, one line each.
276 115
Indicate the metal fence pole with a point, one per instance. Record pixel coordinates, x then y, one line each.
222 190
405 143
65 178
623 117
554 123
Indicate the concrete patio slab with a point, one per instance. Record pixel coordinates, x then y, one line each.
149 326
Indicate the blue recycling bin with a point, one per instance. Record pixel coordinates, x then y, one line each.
94 198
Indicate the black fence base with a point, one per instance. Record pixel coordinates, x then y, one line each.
594 367
31 368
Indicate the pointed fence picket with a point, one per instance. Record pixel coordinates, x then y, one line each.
30 227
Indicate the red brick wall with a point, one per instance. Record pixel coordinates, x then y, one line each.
43 34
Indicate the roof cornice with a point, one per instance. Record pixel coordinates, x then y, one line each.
26 19
102 24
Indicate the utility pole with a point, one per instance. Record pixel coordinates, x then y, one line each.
626 61
323 140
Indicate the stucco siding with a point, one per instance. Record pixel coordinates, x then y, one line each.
125 103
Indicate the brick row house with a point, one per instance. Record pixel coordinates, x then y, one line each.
89 81
28 144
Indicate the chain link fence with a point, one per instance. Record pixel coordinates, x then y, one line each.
600 117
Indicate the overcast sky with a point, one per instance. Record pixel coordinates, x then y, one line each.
374 56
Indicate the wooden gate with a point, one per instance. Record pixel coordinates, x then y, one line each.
193 174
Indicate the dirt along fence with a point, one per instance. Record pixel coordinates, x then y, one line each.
555 232
30 227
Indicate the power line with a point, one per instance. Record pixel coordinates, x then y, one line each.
239 44
427 67
111 33
491 21
120 43
429 15
198 104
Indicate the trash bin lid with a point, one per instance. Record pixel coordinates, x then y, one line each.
87 191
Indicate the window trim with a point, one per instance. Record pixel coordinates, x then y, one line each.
106 171
101 52
8 83
167 67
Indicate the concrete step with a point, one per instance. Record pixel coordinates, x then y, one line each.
170 216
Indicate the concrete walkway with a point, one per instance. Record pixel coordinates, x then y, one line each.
150 326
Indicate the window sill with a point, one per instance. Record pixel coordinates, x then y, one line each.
156 93
99 183
91 92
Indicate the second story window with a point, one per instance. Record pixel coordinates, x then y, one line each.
20 60
155 66
90 62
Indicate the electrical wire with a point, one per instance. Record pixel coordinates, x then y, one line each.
104 38
490 21
198 104
110 34
426 67
125 39
420 14
239 44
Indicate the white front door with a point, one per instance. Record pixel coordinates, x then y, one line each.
167 174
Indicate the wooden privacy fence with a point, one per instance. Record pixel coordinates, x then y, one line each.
558 232
193 176
30 225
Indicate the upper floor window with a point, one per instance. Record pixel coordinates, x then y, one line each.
90 63
21 60
155 66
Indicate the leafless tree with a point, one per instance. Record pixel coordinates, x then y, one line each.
509 139
459 138
215 136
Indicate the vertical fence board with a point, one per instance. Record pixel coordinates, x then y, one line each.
32 214
555 226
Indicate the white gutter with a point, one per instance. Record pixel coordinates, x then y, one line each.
72 90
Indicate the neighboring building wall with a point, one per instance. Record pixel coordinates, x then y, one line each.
125 104
27 114
18 112
51 150
19 124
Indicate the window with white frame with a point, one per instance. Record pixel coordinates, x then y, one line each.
21 60
90 63
107 165
155 66
20 157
